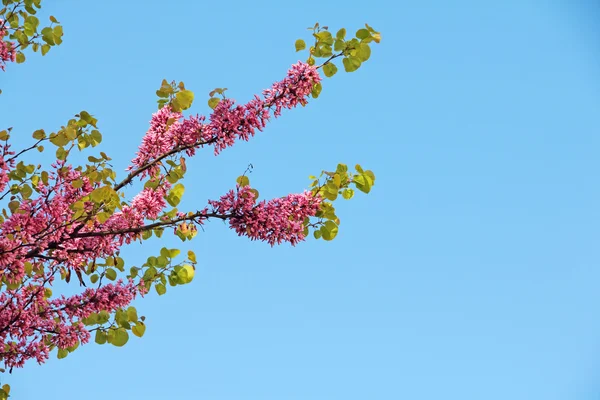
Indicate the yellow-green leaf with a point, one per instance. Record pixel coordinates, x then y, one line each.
300 45
120 337
185 99
139 329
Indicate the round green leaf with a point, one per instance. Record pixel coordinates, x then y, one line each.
329 230
111 274
185 99
139 329
160 289
329 70
120 337
347 194
243 181
186 274
213 101
300 45
62 353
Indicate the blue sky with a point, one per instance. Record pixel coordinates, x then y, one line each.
471 270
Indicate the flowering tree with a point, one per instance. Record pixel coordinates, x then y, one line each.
70 222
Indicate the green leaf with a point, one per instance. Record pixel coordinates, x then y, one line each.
325 37
57 31
103 317
316 91
243 181
120 337
363 33
6 388
329 230
20 58
341 34
26 191
94 278
341 168
48 37
337 180
111 274
186 274
160 289
317 234
74 347
178 190
33 21
351 64
139 329
132 314
347 194
329 70
39 134
45 49
364 52
61 153
59 139
185 99
13 206
213 101
100 337
62 353
363 183
191 256
300 45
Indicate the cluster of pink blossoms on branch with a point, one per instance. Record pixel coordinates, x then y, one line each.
274 221
44 236
170 132
7 49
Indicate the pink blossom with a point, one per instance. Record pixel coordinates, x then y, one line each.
7 49
274 221
228 122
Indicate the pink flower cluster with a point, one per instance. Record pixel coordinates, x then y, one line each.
274 221
167 132
5 166
228 122
29 322
294 89
7 49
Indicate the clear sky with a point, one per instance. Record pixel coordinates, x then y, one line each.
470 272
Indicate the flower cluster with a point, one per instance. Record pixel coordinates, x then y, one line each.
6 164
228 122
7 49
294 89
31 323
274 221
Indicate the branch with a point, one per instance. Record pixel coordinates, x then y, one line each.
143 168
27 149
155 225
330 59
